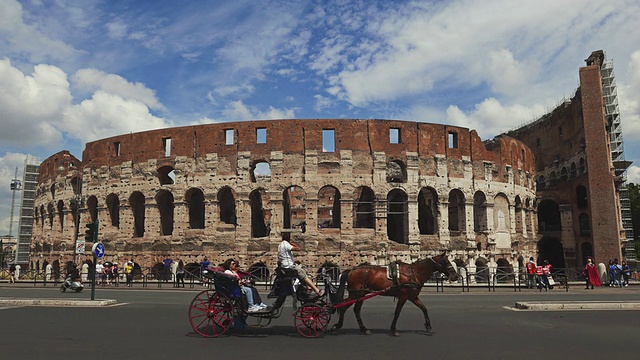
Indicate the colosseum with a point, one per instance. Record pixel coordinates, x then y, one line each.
347 191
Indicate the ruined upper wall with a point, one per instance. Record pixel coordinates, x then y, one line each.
61 162
297 136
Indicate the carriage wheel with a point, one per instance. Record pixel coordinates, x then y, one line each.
211 313
311 320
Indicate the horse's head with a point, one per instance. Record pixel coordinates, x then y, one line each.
444 266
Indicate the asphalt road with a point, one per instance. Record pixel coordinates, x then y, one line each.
152 323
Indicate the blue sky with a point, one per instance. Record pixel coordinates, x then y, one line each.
77 71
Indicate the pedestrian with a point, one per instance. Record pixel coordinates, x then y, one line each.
204 265
626 273
531 273
180 274
12 274
166 263
115 273
592 278
99 272
128 272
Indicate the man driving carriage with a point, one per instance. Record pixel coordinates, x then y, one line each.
286 261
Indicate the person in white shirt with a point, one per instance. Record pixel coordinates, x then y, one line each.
285 259
99 272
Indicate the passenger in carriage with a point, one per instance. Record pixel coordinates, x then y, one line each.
253 297
285 260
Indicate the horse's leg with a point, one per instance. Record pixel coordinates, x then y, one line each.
356 310
427 322
338 325
401 301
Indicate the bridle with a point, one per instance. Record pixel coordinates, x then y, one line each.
442 267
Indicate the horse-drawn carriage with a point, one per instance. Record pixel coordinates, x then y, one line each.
213 312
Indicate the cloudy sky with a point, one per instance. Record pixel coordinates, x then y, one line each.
77 71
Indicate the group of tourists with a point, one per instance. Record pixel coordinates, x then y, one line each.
619 274
539 276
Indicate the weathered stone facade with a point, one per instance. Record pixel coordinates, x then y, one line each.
347 191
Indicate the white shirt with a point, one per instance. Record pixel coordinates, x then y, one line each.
285 254
99 268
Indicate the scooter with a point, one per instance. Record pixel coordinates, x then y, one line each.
72 285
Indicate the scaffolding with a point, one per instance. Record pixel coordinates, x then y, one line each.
29 185
610 95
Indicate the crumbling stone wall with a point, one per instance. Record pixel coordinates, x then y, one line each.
346 200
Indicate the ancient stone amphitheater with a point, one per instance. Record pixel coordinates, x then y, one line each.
347 191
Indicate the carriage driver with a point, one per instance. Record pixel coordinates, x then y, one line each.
285 259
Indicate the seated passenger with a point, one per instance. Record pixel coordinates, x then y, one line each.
253 297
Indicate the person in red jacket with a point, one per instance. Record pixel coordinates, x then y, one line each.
591 275
531 274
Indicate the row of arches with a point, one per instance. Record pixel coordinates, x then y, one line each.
363 203
564 175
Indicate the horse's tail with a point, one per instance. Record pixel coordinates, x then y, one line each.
343 285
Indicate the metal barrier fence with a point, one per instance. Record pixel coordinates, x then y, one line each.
488 278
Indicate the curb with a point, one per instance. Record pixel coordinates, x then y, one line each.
57 302
578 305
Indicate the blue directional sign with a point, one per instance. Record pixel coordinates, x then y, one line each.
98 250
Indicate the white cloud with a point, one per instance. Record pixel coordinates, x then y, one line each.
321 102
237 110
633 175
628 90
490 117
31 106
107 114
91 80
24 40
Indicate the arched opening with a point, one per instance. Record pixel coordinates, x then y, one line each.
504 271
259 225
113 205
363 205
61 214
518 214
573 172
260 171
587 252
501 219
397 219
42 215
50 212
582 199
92 206
136 201
479 212
482 270
227 204
456 211
541 183
396 172
550 248
164 199
195 203
294 211
549 216
582 166
329 208
166 175
585 225
564 175
76 185
427 211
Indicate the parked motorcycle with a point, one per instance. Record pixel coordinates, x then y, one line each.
75 285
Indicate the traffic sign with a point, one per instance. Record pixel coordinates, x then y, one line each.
98 250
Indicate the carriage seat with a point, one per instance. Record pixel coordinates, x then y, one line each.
284 273
226 284
282 284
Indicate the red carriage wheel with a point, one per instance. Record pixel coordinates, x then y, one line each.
311 320
211 313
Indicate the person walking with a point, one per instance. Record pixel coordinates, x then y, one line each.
128 272
12 274
531 274
180 274
626 273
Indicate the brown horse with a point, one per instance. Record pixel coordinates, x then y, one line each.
363 280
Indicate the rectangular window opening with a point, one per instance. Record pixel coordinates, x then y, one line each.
453 140
261 136
166 144
394 136
228 137
328 140
116 148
